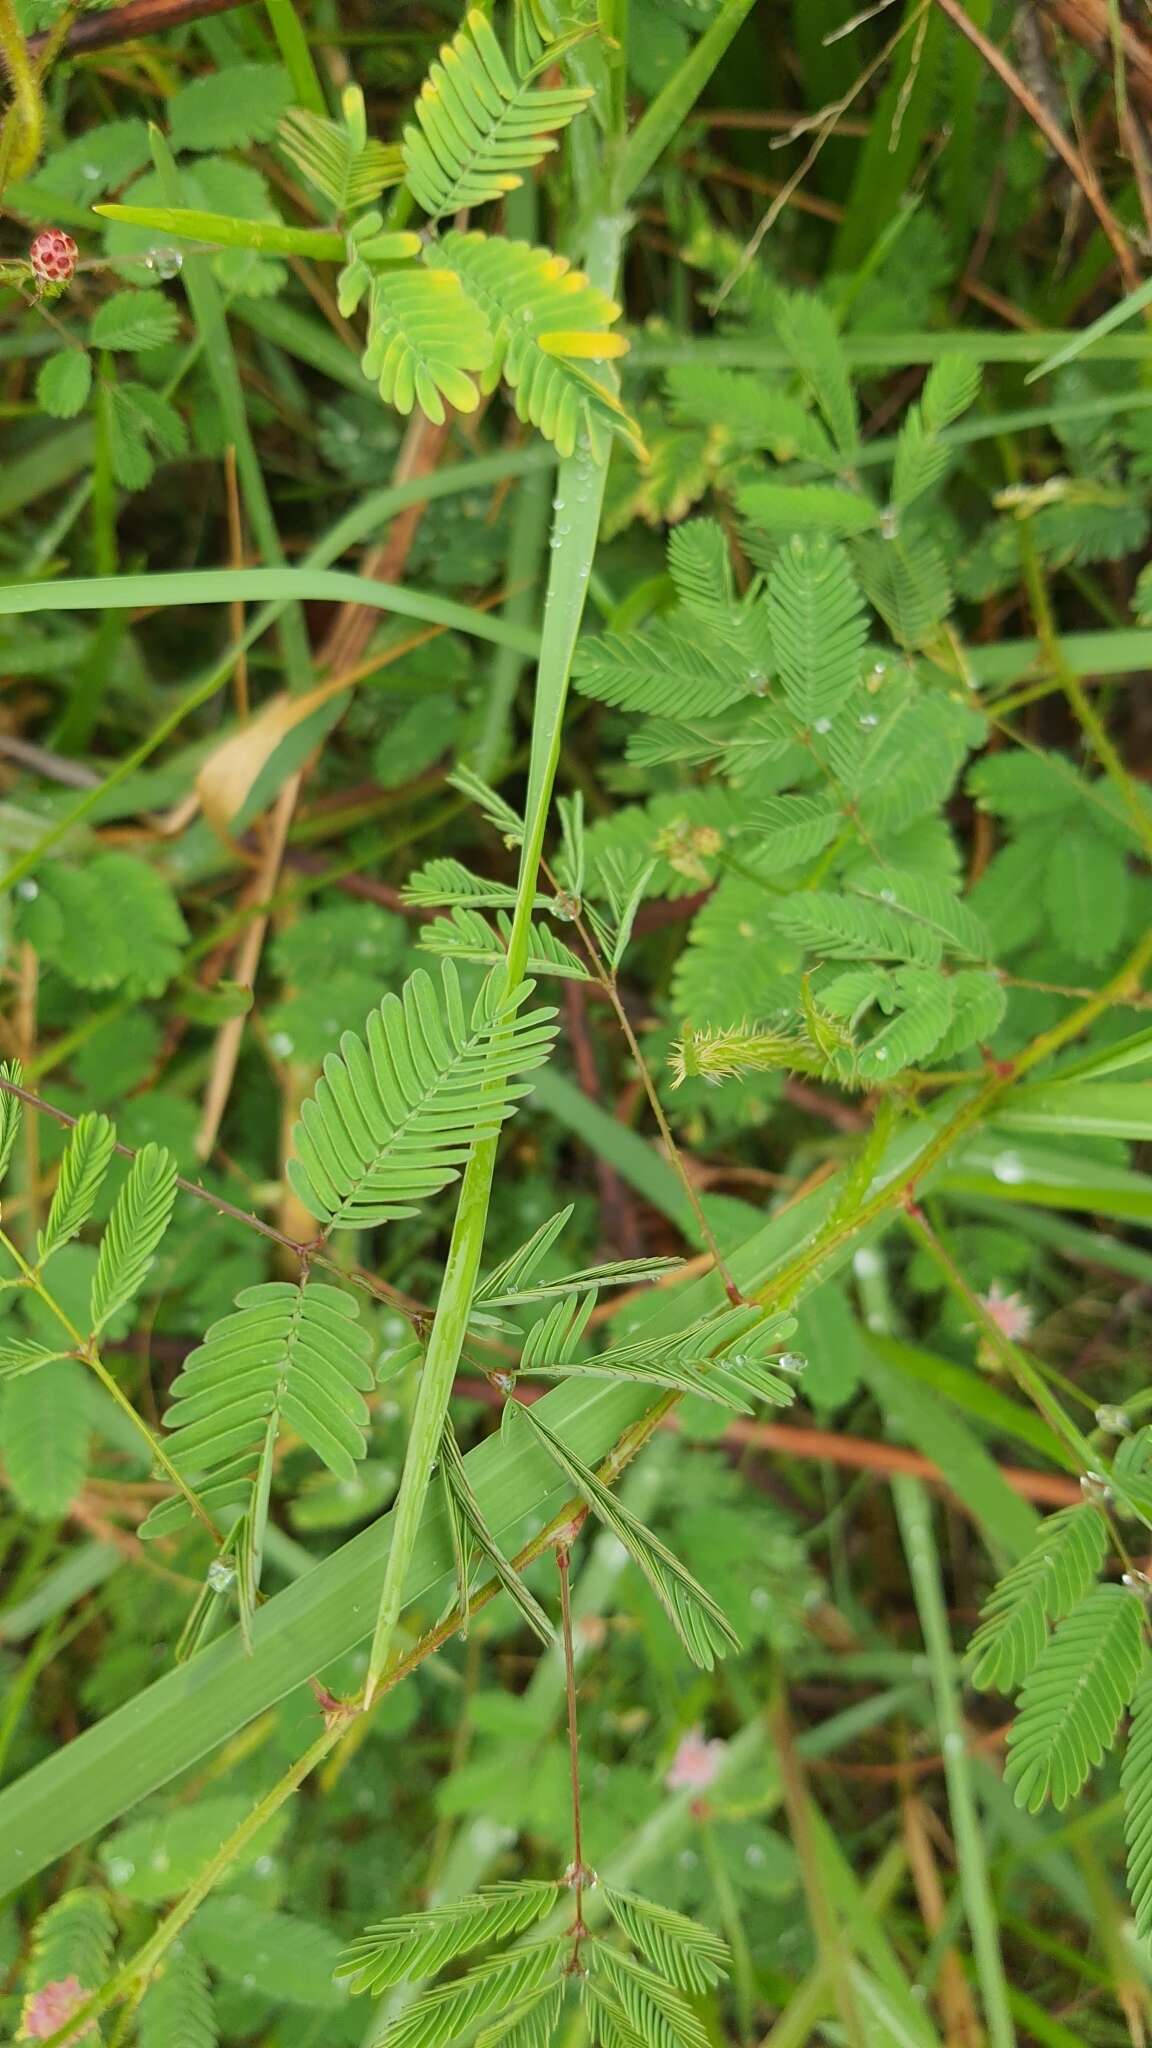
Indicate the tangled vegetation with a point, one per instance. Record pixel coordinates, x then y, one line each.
575 1442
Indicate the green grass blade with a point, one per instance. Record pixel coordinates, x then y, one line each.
224 231
245 586
915 1516
1126 309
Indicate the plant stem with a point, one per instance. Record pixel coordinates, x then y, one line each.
664 117
579 496
1017 1362
24 122
133 1974
578 1874
1082 706
914 1513
292 44
88 1354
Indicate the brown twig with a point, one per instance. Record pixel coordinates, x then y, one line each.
125 24
957 2011
1052 132
310 1253
230 1037
420 451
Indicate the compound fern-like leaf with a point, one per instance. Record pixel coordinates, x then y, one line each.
548 322
478 125
474 1533
140 1216
82 1170
531 2025
818 627
682 1951
425 335
396 1115
450 2012
700 1624
654 2010
1136 1779
467 935
11 1110
337 157
287 1355
416 1945
1074 1697
1042 1588
73 1941
673 669
177 2010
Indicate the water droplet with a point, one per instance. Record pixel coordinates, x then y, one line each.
881 1053
688 1859
760 1598
866 1262
887 895
1116 1421
1009 1168
91 173
120 1869
28 889
822 725
221 1576
165 262
281 1044
755 1854
792 1361
869 718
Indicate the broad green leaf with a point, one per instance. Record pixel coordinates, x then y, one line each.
63 383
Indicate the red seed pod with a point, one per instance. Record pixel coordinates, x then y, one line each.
53 256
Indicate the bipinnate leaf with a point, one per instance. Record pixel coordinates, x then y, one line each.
417 1945
478 125
476 1534
1074 1697
680 1949
1042 1588
1136 1780
78 1182
11 1111
139 1219
288 1355
700 1624
397 1114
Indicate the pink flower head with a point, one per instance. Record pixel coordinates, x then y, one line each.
695 1764
46 2012
53 256
1012 1315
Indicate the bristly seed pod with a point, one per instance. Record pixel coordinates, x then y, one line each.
53 256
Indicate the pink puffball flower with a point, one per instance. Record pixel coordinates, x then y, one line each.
48 2010
695 1764
1012 1315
